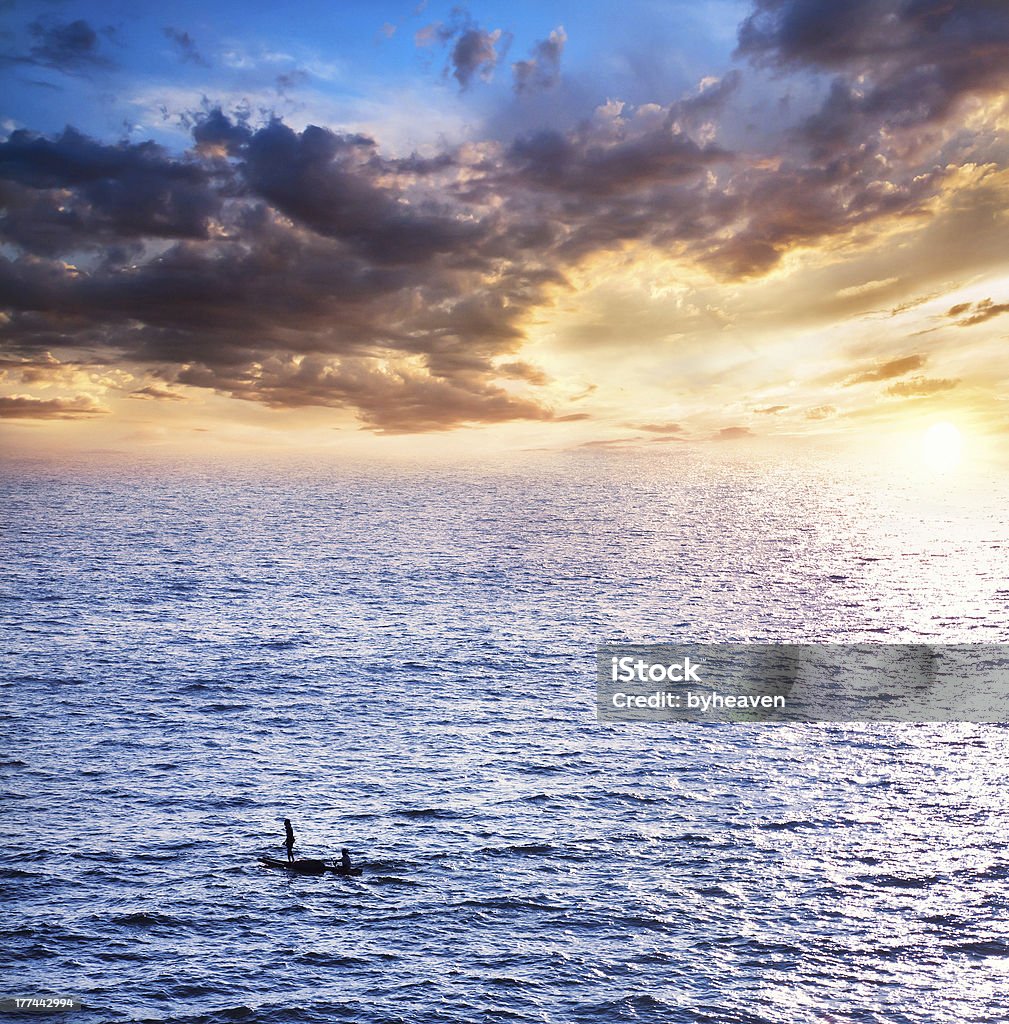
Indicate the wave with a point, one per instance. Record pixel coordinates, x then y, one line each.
981 948
522 848
143 919
432 813
889 881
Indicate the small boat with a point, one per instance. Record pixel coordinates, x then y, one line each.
352 872
300 867
307 866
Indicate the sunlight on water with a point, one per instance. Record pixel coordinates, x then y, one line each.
403 663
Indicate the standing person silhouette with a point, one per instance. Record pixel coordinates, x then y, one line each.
289 840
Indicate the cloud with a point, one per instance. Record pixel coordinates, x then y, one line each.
612 442
474 54
771 410
868 286
318 178
586 165
318 286
292 80
896 64
888 370
70 47
389 401
543 67
30 369
821 412
660 428
893 75
474 50
185 45
819 32
72 192
427 36
299 267
215 134
26 407
521 370
733 434
918 386
979 312
153 392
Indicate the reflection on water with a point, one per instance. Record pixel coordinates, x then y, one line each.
404 663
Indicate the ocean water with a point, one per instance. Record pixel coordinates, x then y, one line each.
401 660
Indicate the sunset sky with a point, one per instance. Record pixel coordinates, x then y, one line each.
376 226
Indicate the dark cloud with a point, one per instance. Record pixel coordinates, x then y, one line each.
321 180
819 32
888 370
185 46
919 386
72 192
585 165
733 434
71 47
474 53
24 407
892 73
897 64
473 50
543 67
73 159
214 131
296 274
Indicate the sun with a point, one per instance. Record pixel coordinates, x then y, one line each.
942 446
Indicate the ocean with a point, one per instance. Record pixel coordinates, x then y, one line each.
400 658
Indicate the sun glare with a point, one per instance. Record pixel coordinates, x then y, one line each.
942 446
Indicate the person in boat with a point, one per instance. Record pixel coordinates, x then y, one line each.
343 865
289 839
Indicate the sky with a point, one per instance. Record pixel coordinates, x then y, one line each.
503 226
